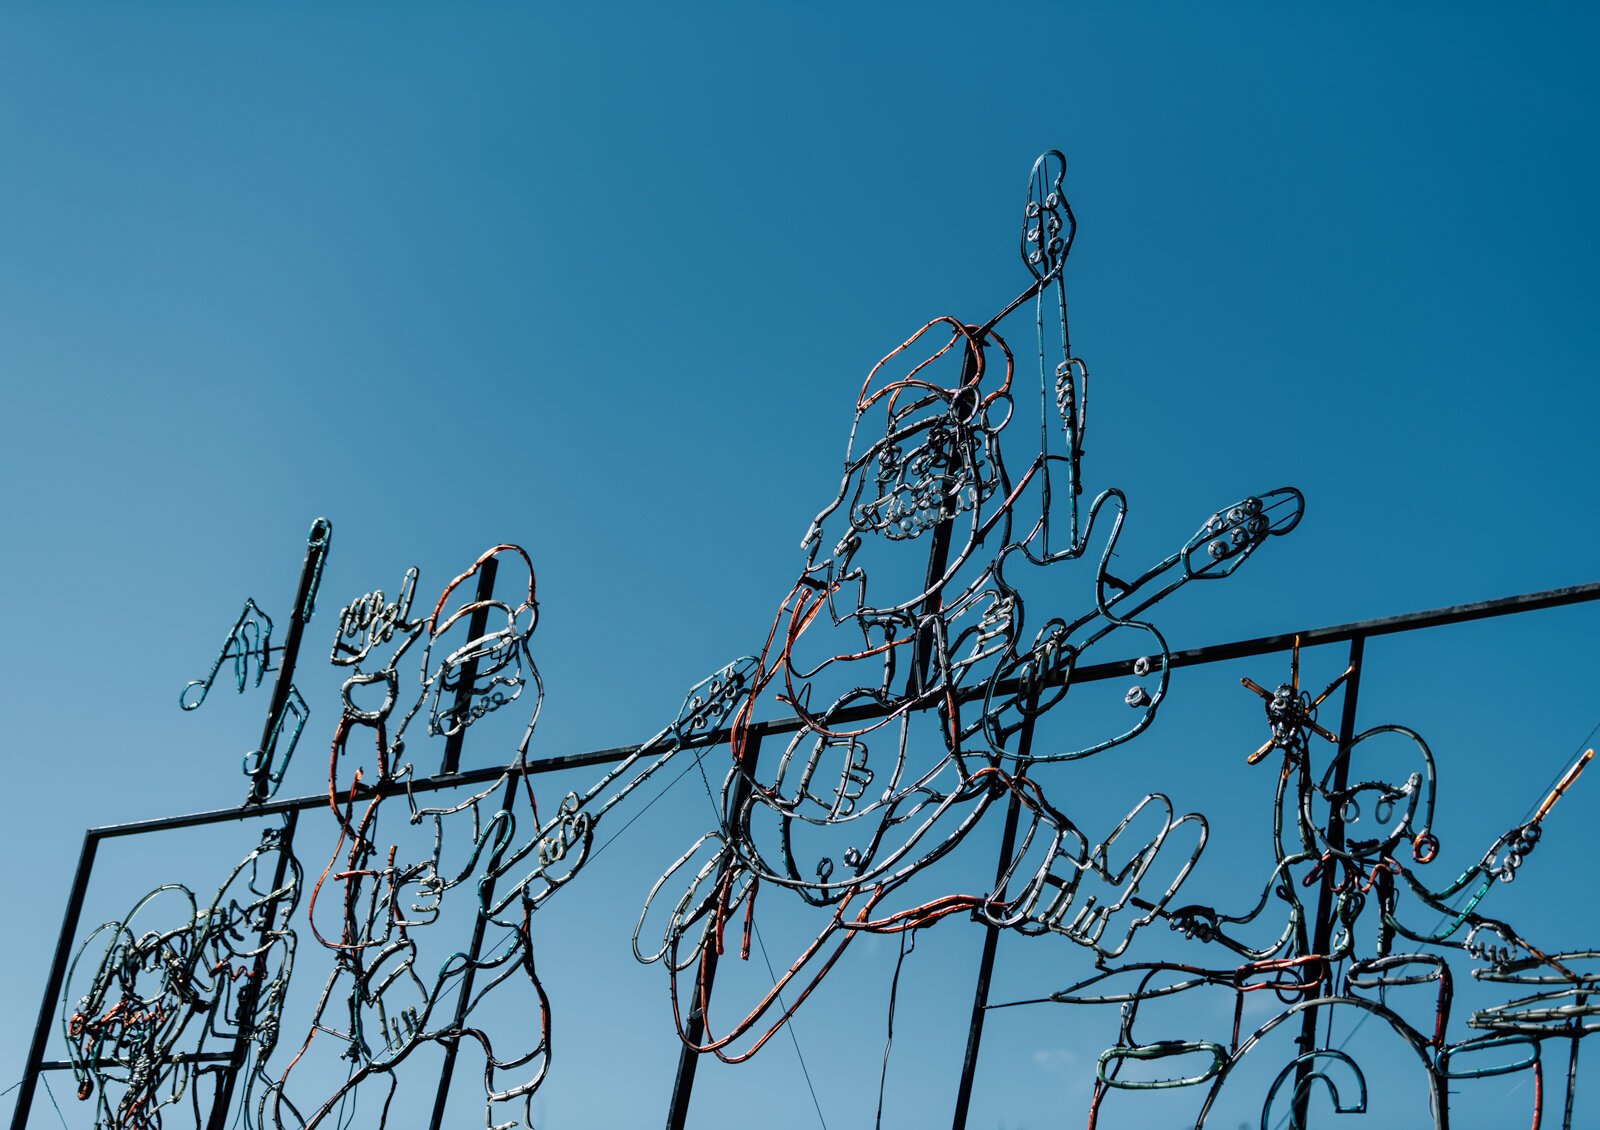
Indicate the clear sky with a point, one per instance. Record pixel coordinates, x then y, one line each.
604 280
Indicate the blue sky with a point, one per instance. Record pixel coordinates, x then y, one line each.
604 280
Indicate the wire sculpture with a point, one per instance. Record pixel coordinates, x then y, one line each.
249 644
172 980
1358 844
909 685
177 989
378 1003
916 699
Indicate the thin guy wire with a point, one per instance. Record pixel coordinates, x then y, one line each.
756 928
45 1079
894 992
790 1027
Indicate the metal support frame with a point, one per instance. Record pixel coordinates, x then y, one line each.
991 935
486 894
695 1028
1325 921
476 624
58 973
1572 1069
241 1046
1354 633
304 601
980 994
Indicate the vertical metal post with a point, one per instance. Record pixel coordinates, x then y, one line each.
1324 923
247 1021
939 553
476 623
980 995
305 602
469 974
688 1057
1572 1062
938 560
52 988
991 935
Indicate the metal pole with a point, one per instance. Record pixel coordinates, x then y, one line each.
980 995
476 623
695 1029
52 990
1355 632
991 936
1324 921
939 553
305 602
1210 653
453 1044
247 1021
937 562
1572 1062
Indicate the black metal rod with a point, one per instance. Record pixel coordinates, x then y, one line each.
1572 1064
305 601
695 1028
52 988
980 995
181 1057
425 785
477 623
1213 653
1263 645
919 678
991 935
247 1019
1383 626
1324 922
452 1045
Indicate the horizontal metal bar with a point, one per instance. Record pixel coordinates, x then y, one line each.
424 785
201 1057
1267 645
1388 625
1212 653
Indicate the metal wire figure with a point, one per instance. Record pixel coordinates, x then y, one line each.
1358 845
177 990
380 1003
905 653
911 683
